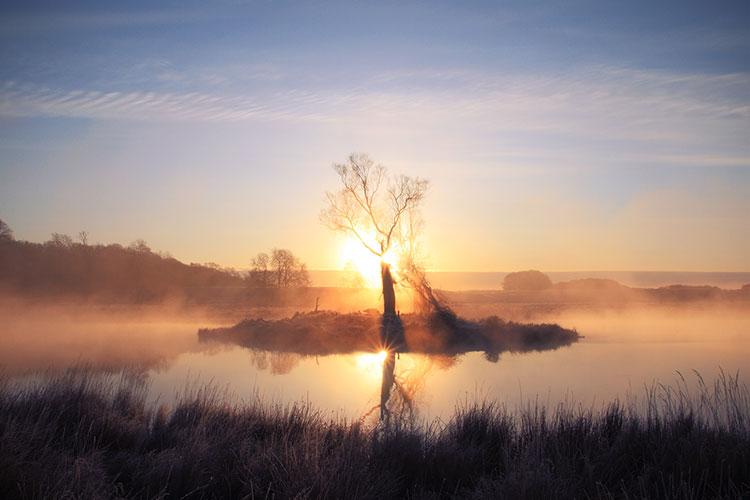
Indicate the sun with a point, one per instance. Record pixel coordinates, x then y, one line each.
371 363
365 262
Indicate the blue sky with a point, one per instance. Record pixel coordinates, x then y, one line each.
589 135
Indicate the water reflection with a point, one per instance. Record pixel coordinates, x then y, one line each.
620 353
278 363
389 369
396 404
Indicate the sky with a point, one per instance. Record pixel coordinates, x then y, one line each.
583 135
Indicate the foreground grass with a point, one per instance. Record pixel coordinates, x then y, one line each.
77 435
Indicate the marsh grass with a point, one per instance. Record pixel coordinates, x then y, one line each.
83 435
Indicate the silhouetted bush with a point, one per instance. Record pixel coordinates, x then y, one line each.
81 436
526 281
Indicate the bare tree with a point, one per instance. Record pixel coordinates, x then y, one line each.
376 208
60 240
139 246
6 233
282 262
259 275
288 270
83 237
280 269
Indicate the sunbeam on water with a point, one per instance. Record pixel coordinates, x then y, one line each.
371 363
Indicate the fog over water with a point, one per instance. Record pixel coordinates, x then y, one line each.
491 280
620 353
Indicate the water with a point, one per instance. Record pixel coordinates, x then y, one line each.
619 355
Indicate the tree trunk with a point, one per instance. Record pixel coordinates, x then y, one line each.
389 296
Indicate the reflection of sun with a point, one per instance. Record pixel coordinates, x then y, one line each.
365 262
371 363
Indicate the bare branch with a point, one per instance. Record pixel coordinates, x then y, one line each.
361 203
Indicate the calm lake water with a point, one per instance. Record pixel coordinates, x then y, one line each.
619 354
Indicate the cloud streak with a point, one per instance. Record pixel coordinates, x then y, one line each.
708 114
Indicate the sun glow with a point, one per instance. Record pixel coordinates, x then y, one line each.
371 363
365 262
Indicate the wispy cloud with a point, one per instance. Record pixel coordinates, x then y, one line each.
27 100
602 103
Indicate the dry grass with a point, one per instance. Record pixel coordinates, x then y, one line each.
80 435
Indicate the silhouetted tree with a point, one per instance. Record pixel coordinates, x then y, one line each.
375 208
83 237
287 269
526 281
60 240
259 274
6 233
140 246
281 269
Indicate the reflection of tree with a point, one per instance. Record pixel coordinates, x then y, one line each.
280 363
399 391
397 406
386 384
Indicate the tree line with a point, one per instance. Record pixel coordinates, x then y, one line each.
133 273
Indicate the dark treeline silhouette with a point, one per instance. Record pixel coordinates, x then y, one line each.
113 272
78 436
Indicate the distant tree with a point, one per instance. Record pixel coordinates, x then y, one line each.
83 237
282 263
375 208
287 269
531 280
279 269
259 274
6 233
60 240
139 246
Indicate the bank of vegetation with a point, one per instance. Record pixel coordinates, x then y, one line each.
77 435
64 267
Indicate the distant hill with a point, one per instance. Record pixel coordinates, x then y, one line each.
112 272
